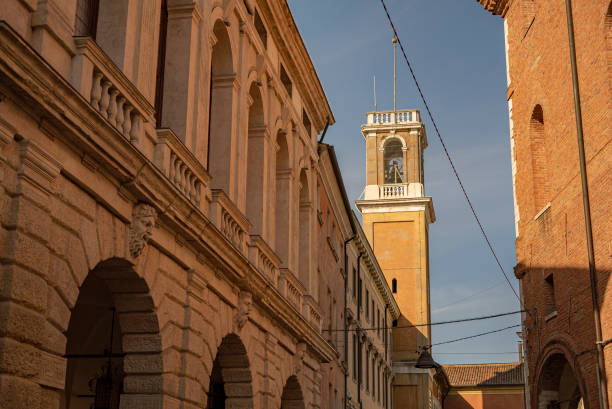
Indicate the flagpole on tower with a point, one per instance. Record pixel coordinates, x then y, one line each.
375 108
394 77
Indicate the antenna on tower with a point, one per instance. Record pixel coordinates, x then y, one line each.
375 108
394 77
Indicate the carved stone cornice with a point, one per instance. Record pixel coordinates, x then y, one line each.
189 10
297 61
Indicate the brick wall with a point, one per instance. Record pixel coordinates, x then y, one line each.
551 248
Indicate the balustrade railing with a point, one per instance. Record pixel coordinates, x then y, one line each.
108 90
182 168
291 288
312 312
394 191
263 258
229 220
394 117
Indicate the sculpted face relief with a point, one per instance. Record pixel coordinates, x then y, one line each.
141 229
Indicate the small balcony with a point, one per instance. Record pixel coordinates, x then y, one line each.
264 258
230 220
182 168
291 288
109 91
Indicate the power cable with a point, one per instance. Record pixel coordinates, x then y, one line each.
460 300
484 317
476 353
446 151
474 336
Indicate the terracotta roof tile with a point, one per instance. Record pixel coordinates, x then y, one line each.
485 374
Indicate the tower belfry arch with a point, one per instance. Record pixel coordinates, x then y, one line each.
396 215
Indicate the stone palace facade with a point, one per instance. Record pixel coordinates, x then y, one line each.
162 243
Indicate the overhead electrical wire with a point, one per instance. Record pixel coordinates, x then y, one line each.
484 234
469 297
476 353
483 317
474 336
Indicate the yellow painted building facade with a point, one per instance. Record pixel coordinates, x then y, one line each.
396 215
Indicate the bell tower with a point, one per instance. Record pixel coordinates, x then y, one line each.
396 216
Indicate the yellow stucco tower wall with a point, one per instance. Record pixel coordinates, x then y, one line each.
396 216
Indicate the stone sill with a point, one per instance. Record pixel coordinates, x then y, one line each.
542 211
551 316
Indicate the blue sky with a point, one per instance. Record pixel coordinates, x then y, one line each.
457 51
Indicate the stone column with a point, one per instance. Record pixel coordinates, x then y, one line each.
284 187
222 154
257 188
305 267
144 66
182 82
52 31
116 33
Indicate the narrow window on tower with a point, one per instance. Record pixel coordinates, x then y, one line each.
394 286
551 308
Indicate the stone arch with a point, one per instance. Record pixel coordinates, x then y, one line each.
283 177
223 95
292 397
539 159
230 378
304 234
557 383
114 313
256 161
391 137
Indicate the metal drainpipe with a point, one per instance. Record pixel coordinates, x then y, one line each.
346 340
359 292
601 375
